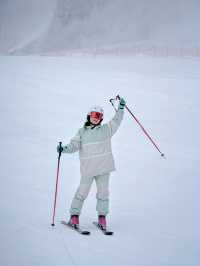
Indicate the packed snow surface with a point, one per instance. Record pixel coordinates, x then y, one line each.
154 202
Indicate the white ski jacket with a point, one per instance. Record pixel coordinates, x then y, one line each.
94 146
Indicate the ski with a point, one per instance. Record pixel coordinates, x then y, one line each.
76 228
103 230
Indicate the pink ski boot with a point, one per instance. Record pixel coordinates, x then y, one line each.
74 220
102 221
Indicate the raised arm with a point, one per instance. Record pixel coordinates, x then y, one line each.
117 119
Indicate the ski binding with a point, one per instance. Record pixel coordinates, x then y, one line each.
103 230
76 228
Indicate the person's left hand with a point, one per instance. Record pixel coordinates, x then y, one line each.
122 103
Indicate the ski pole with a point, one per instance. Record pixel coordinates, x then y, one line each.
56 189
138 122
111 101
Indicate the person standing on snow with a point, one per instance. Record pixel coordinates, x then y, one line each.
93 141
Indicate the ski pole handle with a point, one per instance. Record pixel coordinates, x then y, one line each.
118 97
60 147
111 101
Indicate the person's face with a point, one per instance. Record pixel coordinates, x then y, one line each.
95 117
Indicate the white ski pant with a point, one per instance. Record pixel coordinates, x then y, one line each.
102 183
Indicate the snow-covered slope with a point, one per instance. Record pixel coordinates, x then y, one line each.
121 23
23 21
35 26
154 202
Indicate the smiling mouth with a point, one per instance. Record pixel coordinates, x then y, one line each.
95 121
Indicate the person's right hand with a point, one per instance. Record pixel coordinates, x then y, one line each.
59 149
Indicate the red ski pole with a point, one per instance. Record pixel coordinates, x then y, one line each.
56 189
143 129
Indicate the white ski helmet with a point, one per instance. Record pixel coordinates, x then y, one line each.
97 109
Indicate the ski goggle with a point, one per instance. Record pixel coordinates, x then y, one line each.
96 115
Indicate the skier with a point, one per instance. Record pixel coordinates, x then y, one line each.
93 141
